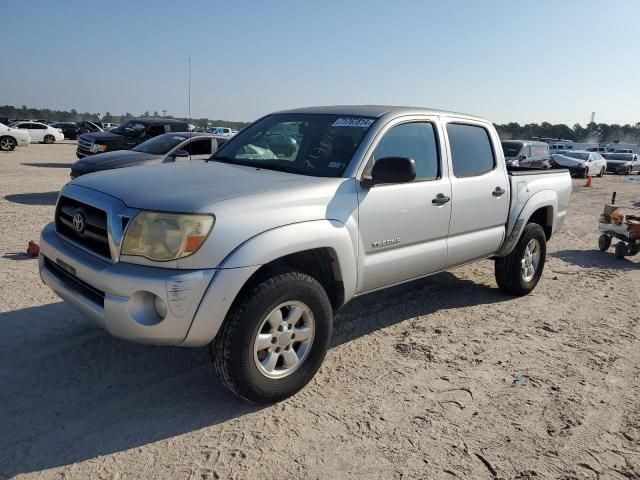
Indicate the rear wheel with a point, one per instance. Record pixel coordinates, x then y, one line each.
621 250
7 144
49 139
519 272
274 339
604 242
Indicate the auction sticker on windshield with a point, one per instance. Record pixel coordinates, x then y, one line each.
353 122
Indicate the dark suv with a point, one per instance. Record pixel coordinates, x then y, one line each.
127 135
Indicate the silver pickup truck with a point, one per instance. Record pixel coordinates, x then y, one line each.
252 251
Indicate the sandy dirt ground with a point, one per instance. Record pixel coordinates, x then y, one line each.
418 383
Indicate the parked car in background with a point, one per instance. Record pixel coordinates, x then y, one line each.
165 148
226 131
581 162
40 132
624 163
526 153
127 135
252 253
10 138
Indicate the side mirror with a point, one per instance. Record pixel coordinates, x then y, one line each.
180 153
391 170
522 157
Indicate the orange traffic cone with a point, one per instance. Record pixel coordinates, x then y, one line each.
588 184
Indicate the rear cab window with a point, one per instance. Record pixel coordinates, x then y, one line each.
471 149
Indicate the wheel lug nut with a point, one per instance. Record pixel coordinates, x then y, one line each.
293 335
277 349
290 326
274 340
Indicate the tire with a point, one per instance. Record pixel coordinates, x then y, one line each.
49 139
509 270
586 173
8 144
621 250
601 174
629 172
604 242
234 351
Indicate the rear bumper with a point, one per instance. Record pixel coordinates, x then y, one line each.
121 297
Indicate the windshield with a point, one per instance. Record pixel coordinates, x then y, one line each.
129 129
626 157
579 156
307 144
511 149
160 145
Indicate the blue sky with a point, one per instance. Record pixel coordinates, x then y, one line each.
505 60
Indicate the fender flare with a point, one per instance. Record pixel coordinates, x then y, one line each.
279 242
542 199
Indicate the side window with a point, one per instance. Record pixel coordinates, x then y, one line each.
199 147
414 140
471 150
37 126
154 131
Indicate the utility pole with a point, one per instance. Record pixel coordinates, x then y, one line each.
593 117
164 113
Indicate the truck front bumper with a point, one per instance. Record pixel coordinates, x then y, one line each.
138 303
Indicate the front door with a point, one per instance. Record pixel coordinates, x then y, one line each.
479 192
403 227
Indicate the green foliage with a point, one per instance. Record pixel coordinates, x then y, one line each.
73 115
593 132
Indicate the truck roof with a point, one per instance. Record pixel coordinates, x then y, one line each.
152 120
376 111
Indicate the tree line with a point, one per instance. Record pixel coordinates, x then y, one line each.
11 112
592 133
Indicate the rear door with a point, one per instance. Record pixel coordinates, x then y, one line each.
403 227
479 191
36 131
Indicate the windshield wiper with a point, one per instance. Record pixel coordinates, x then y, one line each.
272 166
221 159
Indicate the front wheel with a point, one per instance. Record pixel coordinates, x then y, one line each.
49 139
7 144
601 174
604 242
274 339
519 272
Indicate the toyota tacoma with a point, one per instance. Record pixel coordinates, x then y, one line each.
251 252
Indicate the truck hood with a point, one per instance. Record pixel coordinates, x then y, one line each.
100 136
189 186
116 159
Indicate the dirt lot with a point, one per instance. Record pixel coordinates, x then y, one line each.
419 382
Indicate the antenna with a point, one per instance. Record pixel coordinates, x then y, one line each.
189 96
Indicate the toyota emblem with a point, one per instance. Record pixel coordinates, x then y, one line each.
78 222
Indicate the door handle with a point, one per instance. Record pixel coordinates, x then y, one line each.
498 192
440 199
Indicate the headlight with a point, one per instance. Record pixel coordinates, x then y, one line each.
166 236
97 148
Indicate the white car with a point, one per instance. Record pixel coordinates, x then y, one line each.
581 162
108 126
11 138
40 132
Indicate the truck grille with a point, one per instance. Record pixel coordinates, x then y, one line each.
84 225
84 147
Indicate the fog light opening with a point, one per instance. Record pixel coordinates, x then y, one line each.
161 307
